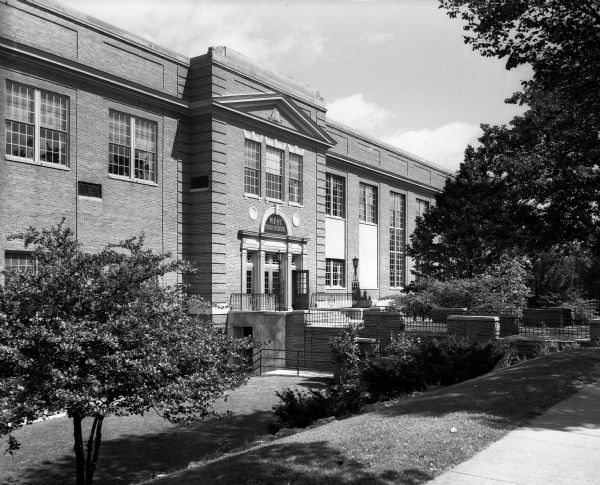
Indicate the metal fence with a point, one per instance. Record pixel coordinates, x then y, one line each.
340 317
332 300
268 359
256 302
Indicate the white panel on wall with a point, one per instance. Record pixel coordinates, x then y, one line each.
335 237
367 254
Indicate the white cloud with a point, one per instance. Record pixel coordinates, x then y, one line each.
194 26
376 38
360 114
444 145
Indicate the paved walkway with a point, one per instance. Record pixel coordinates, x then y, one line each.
560 447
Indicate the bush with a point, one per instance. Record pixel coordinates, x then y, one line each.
344 397
502 286
415 365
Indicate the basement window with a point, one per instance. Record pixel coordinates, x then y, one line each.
87 189
199 183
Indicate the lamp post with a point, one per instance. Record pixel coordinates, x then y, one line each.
355 285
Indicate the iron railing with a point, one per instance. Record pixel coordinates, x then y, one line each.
340 317
265 359
256 302
324 299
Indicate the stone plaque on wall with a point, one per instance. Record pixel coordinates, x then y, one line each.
275 225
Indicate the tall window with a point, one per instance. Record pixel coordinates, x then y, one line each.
397 246
295 178
335 195
132 147
368 204
422 207
37 125
335 272
274 173
252 167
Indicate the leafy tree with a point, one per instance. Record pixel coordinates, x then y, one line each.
97 335
532 187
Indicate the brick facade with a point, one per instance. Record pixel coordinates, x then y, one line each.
203 109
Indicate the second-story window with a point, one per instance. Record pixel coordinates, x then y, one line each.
132 147
252 167
422 207
368 204
335 195
37 125
295 178
274 173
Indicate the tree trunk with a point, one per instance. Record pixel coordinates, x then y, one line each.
93 448
79 457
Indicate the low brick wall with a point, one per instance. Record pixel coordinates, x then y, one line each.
440 314
474 327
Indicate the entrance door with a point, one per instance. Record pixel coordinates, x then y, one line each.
300 290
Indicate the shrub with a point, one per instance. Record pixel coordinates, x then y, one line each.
415 365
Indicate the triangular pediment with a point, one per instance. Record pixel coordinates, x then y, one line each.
276 110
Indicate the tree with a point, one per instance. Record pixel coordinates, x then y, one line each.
97 335
532 187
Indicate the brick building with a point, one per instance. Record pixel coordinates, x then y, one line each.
216 158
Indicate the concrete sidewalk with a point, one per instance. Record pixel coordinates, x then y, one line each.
562 446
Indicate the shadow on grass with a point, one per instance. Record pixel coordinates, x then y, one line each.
284 463
139 457
513 395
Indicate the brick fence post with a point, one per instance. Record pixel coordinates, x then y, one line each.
474 327
595 331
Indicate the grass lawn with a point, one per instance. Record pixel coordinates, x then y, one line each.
136 448
407 441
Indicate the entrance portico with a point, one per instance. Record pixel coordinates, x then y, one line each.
269 259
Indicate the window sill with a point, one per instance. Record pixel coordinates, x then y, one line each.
296 204
135 181
93 199
337 218
30 161
205 189
276 201
335 288
252 196
368 223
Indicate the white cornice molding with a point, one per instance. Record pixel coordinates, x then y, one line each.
93 75
384 173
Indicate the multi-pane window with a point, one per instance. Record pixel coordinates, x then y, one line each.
37 124
274 173
368 203
132 147
422 207
334 272
14 261
295 178
397 245
335 195
252 167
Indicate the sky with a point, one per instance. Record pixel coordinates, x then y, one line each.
397 70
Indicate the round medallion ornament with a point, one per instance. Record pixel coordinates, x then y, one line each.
253 213
296 220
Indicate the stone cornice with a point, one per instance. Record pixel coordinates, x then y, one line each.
384 173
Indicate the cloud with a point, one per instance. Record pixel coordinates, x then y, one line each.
199 25
360 114
376 38
444 145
